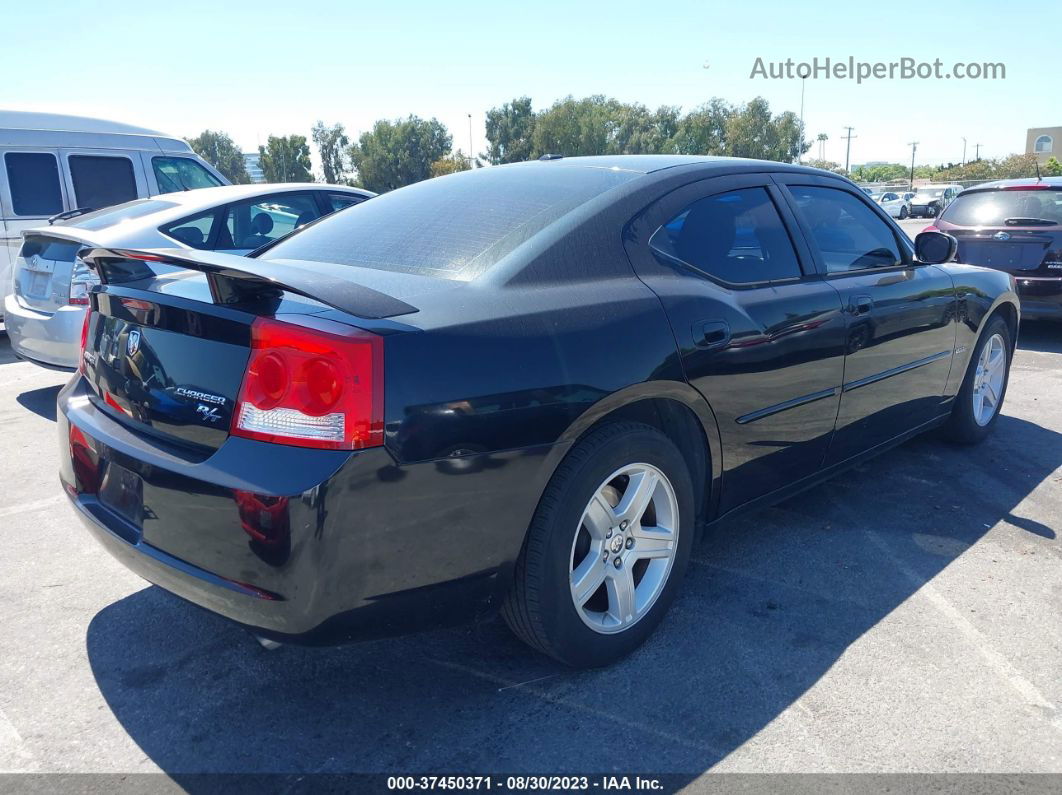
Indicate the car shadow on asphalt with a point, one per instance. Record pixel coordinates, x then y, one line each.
771 601
41 401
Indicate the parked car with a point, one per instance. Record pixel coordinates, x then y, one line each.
49 288
54 164
898 205
1015 226
526 387
930 201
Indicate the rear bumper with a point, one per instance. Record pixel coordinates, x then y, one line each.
360 547
1041 297
47 339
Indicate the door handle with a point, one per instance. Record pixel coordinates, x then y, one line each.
860 304
711 333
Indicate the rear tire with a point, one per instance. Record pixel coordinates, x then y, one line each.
903 213
984 387
586 598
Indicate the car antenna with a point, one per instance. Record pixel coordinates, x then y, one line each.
1038 177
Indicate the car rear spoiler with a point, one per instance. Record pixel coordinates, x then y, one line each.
235 280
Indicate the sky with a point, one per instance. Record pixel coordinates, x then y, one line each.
262 68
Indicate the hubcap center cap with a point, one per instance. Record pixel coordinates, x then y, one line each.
617 543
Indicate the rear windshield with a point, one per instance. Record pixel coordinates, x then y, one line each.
450 227
53 248
112 216
1006 208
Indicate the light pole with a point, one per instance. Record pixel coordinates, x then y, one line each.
914 147
470 140
848 147
800 152
977 151
964 152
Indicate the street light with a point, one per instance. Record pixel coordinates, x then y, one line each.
964 152
914 147
470 140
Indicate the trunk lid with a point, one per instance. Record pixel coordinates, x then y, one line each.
42 270
1029 251
169 337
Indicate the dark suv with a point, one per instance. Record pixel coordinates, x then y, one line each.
1014 225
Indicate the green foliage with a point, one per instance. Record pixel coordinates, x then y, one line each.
509 130
889 172
450 164
331 143
599 125
825 165
1010 167
1052 168
399 152
285 159
218 149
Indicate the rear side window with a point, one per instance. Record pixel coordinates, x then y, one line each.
1006 208
102 181
194 231
34 181
453 227
181 173
340 201
737 237
849 235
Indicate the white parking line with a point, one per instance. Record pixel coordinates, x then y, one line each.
12 747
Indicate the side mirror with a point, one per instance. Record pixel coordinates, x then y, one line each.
934 248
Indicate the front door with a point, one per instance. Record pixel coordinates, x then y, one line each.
760 333
900 315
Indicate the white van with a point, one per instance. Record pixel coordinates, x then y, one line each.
52 164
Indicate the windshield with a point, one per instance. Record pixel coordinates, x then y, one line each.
112 216
995 207
452 227
929 193
175 174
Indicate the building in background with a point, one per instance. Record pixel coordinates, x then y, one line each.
1044 142
250 160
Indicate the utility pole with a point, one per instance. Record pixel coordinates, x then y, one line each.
914 148
800 154
964 152
977 151
470 140
848 147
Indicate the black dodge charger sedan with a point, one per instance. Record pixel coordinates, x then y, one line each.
524 387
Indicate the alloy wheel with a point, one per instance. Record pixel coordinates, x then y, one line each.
988 380
624 548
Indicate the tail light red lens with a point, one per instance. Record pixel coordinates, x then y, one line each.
84 339
931 228
314 384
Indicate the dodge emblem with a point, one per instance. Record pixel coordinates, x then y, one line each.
132 343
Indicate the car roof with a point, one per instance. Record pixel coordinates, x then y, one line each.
174 206
1054 182
649 164
58 122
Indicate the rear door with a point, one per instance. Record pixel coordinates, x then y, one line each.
98 178
900 315
760 333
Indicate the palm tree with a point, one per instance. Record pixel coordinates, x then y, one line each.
822 138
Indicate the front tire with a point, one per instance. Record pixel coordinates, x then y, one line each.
903 213
607 547
984 387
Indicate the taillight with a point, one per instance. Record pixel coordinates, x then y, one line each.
84 340
315 384
82 279
931 228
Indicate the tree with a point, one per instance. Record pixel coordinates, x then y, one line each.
702 131
509 130
450 164
825 165
574 127
399 152
285 159
332 143
218 149
751 131
1052 168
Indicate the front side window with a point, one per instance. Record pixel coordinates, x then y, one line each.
1043 144
848 234
102 181
255 222
737 237
33 178
181 173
